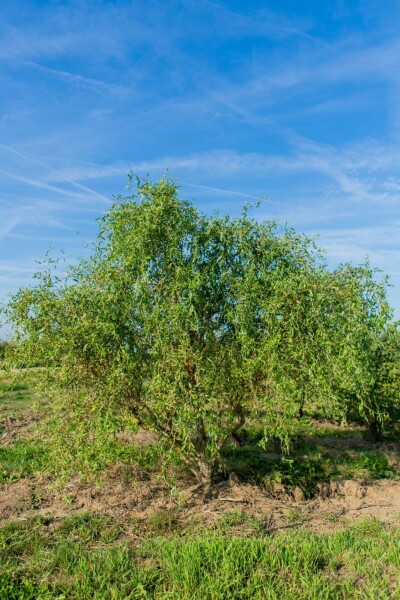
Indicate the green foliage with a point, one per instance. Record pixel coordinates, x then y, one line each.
190 325
3 349
75 559
385 389
355 314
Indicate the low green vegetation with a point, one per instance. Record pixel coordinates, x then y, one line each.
16 397
3 349
318 452
22 455
87 557
23 459
309 464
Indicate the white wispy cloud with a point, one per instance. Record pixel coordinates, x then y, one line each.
299 76
221 161
262 22
8 225
17 266
77 79
61 178
227 192
349 168
217 97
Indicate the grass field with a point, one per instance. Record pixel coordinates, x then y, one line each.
269 532
84 557
16 399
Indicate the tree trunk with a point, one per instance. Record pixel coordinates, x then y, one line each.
302 403
376 429
203 466
205 477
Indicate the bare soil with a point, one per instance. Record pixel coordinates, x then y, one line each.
13 428
141 502
136 502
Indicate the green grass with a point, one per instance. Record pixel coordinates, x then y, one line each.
16 398
25 456
89 557
23 459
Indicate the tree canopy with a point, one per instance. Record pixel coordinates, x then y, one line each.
194 324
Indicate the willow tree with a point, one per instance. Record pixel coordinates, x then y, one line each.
375 345
179 319
332 344
384 396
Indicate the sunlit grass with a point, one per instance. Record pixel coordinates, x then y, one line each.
16 399
23 459
87 557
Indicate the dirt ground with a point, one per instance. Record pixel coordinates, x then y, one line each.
13 428
140 502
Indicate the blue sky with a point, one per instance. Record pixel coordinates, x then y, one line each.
298 102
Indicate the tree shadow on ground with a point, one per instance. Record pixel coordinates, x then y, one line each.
317 454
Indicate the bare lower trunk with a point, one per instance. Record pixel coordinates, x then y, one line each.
204 467
302 404
205 477
376 429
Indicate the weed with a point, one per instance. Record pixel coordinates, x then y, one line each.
370 527
331 517
163 521
89 528
295 516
